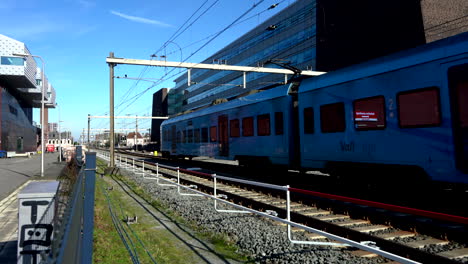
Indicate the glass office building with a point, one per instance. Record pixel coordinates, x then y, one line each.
318 35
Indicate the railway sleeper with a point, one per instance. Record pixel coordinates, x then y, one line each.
426 242
371 228
313 212
455 253
331 217
396 234
351 222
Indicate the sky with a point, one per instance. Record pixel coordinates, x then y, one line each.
74 37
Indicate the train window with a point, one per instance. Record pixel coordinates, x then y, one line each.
196 135
309 120
263 125
190 136
332 118
183 136
247 127
235 129
179 137
419 108
204 134
369 113
279 130
213 135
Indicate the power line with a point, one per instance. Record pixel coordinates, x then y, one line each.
447 22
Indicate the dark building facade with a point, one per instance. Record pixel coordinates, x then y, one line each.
319 35
159 109
17 132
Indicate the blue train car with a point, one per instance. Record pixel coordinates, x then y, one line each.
408 110
254 129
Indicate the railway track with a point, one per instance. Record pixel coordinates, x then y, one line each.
400 233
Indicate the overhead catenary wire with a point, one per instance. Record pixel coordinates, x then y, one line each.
200 48
168 41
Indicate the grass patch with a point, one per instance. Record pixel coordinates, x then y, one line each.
161 245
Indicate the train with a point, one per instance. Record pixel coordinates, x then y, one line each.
405 113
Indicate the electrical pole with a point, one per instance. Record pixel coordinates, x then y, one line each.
136 131
111 112
89 121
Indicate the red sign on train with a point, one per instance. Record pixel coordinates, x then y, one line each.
365 116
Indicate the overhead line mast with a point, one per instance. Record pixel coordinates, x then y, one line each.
113 61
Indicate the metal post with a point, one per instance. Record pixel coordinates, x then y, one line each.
136 131
88 208
111 111
42 118
245 80
89 121
189 82
60 134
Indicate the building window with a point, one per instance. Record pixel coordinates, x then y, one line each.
279 126
419 108
332 118
178 137
213 135
369 113
234 126
189 136
309 120
183 136
16 61
196 133
247 127
263 125
13 110
204 134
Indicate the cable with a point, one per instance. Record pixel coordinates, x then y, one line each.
446 22
204 45
116 225
165 44
226 28
135 235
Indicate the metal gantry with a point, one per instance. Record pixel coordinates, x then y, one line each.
113 61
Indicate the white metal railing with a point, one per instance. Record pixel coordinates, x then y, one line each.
364 245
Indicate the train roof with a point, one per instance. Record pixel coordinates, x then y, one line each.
246 100
444 48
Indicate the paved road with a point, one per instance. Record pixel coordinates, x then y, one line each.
14 174
16 171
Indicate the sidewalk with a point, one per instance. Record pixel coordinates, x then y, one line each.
15 173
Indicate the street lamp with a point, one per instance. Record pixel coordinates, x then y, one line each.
60 134
42 106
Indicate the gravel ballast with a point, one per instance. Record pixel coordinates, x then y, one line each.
257 237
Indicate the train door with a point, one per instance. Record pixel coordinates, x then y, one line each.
458 83
223 135
173 139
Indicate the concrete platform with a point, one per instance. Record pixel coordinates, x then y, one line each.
15 173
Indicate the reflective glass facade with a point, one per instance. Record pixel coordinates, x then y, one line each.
288 37
318 35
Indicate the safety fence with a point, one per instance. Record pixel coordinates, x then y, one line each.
60 229
138 167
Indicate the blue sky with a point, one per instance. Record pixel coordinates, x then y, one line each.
74 37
